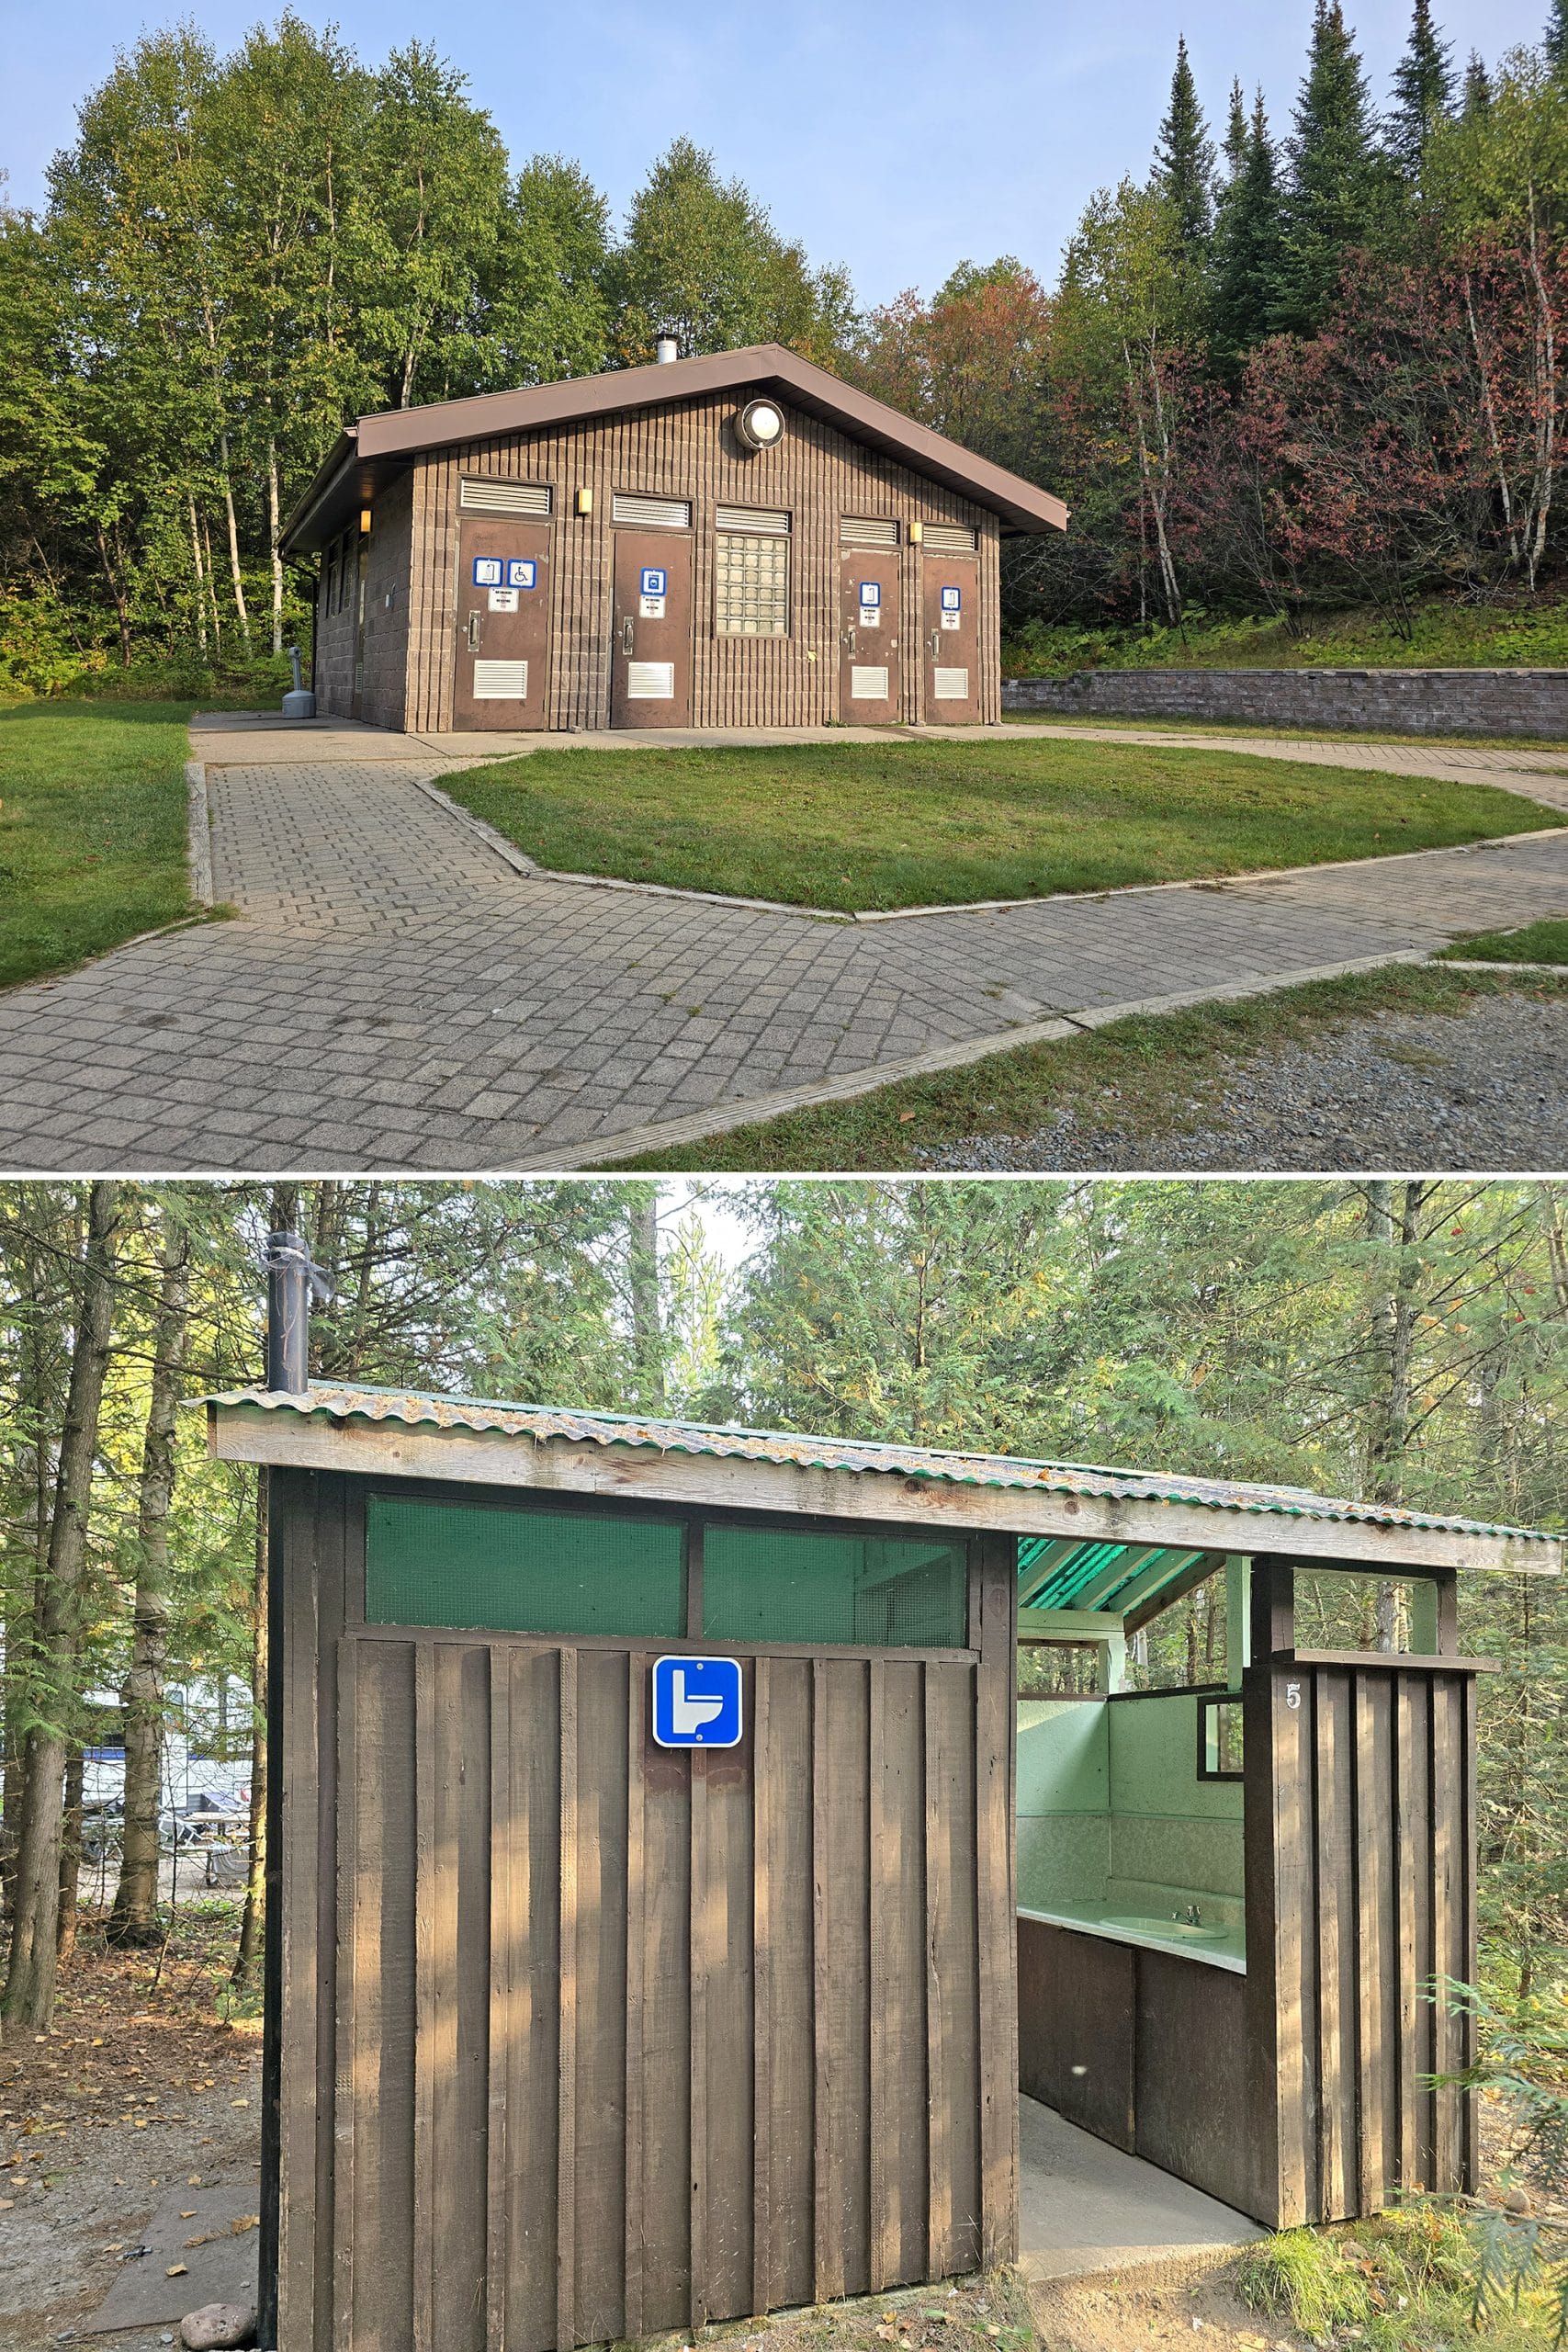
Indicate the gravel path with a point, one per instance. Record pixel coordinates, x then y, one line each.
1483 1090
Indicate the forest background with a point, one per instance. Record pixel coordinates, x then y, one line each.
1285 369
1403 1340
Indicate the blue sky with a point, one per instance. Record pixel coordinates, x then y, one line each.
898 139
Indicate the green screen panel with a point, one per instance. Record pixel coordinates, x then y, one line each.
873 1591
521 1571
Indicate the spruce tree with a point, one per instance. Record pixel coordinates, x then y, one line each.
1423 90
1247 248
1184 158
1477 101
1337 192
1235 135
1554 41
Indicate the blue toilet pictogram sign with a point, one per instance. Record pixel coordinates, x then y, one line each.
654 581
696 1702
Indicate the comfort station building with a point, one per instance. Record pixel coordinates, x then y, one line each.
740 540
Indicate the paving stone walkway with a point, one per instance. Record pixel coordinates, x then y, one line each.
397 997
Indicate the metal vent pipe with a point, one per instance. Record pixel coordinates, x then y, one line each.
291 1281
666 350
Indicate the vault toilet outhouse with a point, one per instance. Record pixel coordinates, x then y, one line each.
646 1860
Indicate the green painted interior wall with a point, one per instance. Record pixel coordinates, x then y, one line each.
1112 1813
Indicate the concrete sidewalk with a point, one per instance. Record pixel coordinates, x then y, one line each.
399 997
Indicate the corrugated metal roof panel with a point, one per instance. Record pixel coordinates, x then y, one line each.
340 1401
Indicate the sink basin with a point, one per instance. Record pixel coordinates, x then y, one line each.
1168 1931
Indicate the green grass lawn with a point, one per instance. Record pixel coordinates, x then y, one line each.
1140 1073
1442 633
859 827
1537 943
92 829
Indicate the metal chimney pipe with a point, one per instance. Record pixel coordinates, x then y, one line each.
288 1271
666 350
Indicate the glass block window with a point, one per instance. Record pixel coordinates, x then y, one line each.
873 1591
521 1571
751 585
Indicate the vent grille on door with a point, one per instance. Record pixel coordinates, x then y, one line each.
504 497
867 531
950 685
867 684
650 681
653 514
501 681
753 518
949 538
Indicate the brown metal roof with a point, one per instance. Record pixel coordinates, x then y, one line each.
336 1401
370 452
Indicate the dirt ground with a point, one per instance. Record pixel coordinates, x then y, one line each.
139 2084
1113 2314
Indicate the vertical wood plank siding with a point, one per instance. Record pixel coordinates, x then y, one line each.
590 2039
1360 1890
689 451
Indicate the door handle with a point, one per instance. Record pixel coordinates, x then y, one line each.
936 645
627 631
476 622
853 642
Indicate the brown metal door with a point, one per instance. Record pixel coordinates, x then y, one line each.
948 596
503 623
871 624
651 650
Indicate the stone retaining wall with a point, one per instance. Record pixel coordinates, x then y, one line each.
1404 702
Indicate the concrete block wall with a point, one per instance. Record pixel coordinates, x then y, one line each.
1404 702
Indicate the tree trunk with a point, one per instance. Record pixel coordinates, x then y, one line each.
283 1217
240 609
200 578
134 1917
274 534
642 1271
69 1854
28 2003
247 1960
1392 1320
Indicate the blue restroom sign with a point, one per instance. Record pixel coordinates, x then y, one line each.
522 571
654 581
487 571
870 592
696 1702
951 600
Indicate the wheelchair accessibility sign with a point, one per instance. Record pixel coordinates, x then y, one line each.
522 571
696 1702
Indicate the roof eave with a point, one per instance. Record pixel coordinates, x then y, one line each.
322 1440
402 434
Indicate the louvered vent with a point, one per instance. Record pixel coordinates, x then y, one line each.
653 514
501 681
650 681
771 521
949 538
867 684
867 531
504 497
950 685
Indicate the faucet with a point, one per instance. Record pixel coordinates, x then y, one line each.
1191 1917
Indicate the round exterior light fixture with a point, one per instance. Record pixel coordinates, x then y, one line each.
760 425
